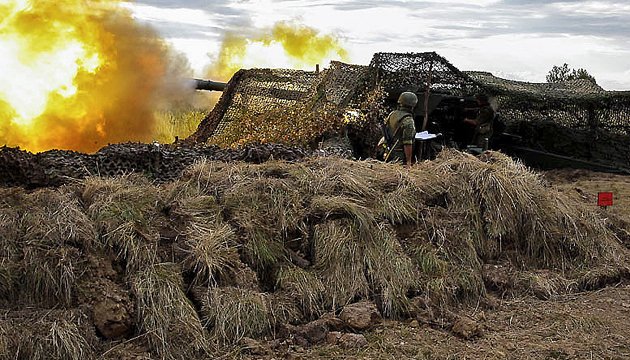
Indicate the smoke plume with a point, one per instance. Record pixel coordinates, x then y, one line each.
80 74
283 45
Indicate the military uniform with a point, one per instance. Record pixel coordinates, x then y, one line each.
401 125
483 130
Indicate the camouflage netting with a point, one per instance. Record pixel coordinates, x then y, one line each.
580 108
257 92
578 104
161 163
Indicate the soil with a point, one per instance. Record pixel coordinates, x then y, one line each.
581 326
588 325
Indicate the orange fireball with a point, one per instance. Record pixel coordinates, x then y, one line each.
76 74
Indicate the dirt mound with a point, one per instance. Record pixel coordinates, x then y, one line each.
240 250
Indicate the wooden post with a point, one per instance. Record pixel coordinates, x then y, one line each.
426 98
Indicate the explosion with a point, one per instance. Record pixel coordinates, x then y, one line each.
284 45
78 74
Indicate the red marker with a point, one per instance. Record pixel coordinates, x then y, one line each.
604 199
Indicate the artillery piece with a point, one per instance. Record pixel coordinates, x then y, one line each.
573 124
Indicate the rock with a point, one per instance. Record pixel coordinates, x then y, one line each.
466 328
352 341
361 315
333 337
111 319
314 332
332 321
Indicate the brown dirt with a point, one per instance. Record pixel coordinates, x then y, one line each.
584 185
581 326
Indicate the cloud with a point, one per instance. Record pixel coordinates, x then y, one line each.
448 26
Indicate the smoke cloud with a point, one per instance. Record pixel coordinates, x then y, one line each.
81 74
285 44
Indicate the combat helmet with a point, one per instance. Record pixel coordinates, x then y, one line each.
408 99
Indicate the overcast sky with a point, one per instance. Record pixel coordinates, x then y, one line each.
514 39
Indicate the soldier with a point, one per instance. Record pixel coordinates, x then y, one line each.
483 122
400 130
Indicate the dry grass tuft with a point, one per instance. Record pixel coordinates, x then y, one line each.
517 214
339 263
211 253
304 286
445 254
50 274
12 211
230 314
44 237
47 335
56 217
391 272
8 278
267 210
339 206
351 267
126 210
165 315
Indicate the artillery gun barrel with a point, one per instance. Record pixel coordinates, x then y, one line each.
209 85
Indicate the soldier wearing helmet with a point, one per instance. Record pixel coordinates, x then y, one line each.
483 122
401 128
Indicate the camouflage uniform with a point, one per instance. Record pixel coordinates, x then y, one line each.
483 129
406 133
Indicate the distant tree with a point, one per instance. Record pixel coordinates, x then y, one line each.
564 73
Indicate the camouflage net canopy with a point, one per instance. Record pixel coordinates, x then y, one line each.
286 106
577 104
299 107
342 94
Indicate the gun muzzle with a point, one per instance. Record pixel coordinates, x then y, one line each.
209 85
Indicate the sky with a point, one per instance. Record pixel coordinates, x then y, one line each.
513 39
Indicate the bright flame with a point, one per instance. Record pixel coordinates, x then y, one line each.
285 45
77 74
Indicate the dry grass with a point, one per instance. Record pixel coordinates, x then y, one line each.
364 230
179 122
49 275
266 210
517 213
304 286
57 217
126 210
230 314
47 335
43 239
339 263
165 315
8 278
211 253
